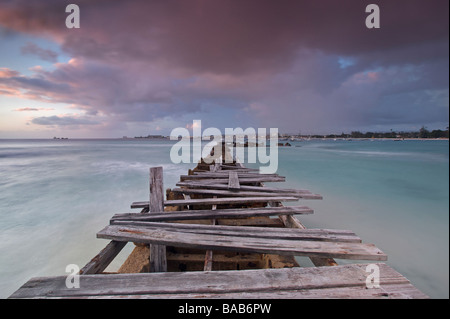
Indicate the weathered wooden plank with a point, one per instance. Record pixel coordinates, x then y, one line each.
218 201
158 261
244 230
224 174
241 193
342 250
220 258
238 168
305 194
219 176
219 213
100 262
346 281
229 200
254 232
233 181
201 184
221 169
263 221
243 180
391 291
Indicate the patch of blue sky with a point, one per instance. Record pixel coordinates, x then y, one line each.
12 57
345 62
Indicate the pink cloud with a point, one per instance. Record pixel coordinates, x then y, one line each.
27 109
8 73
365 77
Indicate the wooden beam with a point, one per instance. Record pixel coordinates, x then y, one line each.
158 261
241 193
238 168
335 235
201 184
346 281
224 174
262 221
303 193
220 258
219 201
220 175
100 262
141 234
223 180
209 214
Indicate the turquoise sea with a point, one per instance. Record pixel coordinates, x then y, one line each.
55 195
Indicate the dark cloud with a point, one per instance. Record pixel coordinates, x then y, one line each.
289 64
63 121
229 36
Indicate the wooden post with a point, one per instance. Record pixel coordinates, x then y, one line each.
100 262
209 253
158 261
233 181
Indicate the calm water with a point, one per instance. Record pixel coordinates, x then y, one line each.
55 195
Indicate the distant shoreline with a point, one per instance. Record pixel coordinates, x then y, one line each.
280 139
384 139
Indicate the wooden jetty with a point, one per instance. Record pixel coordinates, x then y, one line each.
223 234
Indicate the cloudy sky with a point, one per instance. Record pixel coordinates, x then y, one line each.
146 67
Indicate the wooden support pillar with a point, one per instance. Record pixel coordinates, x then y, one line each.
233 181
99 263
209 253
158 260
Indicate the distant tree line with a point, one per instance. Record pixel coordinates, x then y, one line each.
422 133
